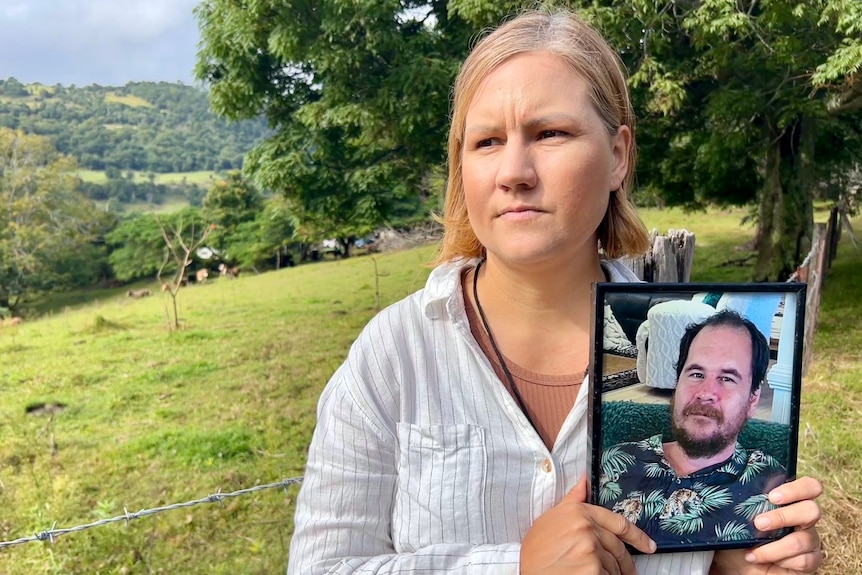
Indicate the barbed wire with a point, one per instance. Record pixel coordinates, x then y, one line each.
217 497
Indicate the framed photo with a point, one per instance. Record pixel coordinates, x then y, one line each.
694 407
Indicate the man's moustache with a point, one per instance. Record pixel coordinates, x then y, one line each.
704 411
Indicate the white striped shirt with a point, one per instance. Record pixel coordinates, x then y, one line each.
422 462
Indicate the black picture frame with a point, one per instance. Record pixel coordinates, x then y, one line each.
632 441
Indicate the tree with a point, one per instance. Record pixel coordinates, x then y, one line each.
745 101
267 240
182 238
356 93
149 245
741 101
47 229
137 247
229 203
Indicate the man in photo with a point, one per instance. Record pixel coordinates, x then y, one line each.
703 487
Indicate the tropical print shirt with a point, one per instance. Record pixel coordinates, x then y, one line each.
716 504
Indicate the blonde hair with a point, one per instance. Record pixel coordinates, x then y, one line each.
563 34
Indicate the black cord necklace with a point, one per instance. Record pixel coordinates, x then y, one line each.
509 378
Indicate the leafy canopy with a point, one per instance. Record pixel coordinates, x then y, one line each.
356 93
48 231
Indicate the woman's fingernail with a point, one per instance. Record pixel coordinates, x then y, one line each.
763 523
652 546
776 497
750 557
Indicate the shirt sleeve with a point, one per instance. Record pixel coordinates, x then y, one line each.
343 520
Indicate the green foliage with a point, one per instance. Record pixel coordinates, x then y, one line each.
731 114
267 241
138 244
13 88
48 232
228 204
844 64
357 94
144 126
138 249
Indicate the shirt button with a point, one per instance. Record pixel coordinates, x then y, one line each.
547 466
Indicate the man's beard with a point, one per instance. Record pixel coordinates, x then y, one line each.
697 448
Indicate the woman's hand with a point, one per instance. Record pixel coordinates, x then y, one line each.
575 537
797 553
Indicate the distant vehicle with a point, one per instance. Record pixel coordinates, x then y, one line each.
366 242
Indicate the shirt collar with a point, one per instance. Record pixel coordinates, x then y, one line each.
444 283
442 286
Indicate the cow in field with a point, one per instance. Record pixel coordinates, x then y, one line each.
228 271
138 293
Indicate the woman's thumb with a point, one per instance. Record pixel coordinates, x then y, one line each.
578 493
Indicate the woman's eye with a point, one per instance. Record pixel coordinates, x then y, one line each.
550 134
484 143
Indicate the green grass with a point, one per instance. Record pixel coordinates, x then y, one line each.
720 254
154 417
202 178
169 205
131 101
722 239
830 440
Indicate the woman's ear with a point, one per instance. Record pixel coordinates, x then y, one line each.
622 143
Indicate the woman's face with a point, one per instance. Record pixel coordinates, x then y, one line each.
538 164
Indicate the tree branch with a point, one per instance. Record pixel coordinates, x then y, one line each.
849 99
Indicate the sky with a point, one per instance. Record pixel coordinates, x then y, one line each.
106 42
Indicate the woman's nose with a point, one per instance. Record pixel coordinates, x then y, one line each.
516 169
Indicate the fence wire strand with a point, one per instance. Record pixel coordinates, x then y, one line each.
217 497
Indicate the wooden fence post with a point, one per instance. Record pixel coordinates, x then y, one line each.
813 276
669 259
833 234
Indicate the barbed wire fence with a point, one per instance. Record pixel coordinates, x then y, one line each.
217 497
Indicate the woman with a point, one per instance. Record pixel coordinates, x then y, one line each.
453 438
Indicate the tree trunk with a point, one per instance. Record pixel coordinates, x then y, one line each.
768 197
785 211
345 247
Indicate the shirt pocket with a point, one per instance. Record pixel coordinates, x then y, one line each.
440 497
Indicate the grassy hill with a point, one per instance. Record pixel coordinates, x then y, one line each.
155 127
153 140
102 409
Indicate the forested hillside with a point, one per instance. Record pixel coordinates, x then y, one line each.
142 126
